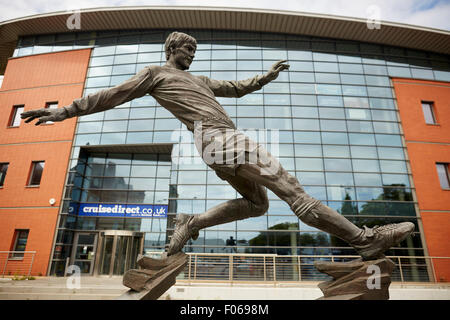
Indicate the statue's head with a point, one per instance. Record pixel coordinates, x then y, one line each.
177 40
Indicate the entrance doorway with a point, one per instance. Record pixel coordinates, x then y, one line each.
83 253
117 251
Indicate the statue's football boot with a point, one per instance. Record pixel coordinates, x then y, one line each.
375 241
182 233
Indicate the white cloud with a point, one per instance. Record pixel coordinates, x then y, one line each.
428 13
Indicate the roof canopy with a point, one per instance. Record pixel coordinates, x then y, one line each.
158 17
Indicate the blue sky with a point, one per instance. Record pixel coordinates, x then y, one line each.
427 13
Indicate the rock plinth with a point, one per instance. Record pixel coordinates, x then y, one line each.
356 280
154 276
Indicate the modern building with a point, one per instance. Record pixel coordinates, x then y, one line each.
362 118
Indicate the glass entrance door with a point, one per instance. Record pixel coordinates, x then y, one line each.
83 254
118 251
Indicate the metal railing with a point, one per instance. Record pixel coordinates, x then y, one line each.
16 263
273 268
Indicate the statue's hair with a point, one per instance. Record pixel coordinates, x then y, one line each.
176 40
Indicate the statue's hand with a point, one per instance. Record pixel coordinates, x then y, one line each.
44 115
276 68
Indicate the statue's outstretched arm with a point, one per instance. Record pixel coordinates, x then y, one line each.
135 87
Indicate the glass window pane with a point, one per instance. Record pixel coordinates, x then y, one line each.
334 138
422 74
396 179
428 113
363 152
340 193
367 179
113 138
103 51
386 127
100 71
375 70
311 178
102 61
140 125
351 68
307 137
354 90
358 114
381 103
112 126
299 55
359 126
369 193
352 79
308 164
124 69
306 124
388 140
98 82
17 110
338 165
365 165
391 153
304 112
327 78
378 81
361 138
336 151
333 113
333 125
36 173
443 174
301 76
303 88
192 177
328 89
303 100
330 101
379 92
250 123
3 170
399 72
306 150
125 58
301 66
340 179
326 67
393 166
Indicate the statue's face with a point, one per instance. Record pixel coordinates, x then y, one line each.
184 55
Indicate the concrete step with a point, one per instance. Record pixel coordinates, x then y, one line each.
60 290
53 288
53 296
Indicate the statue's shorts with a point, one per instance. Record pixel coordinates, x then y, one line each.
225 149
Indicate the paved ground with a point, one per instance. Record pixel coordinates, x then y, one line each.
109 288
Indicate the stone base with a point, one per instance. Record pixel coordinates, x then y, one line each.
154 277
356 280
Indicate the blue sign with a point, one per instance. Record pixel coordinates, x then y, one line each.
122 210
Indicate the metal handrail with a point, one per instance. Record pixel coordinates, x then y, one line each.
20 262
272 268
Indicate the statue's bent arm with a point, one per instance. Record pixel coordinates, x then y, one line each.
233 89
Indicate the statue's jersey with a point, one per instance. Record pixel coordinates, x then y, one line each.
189 98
